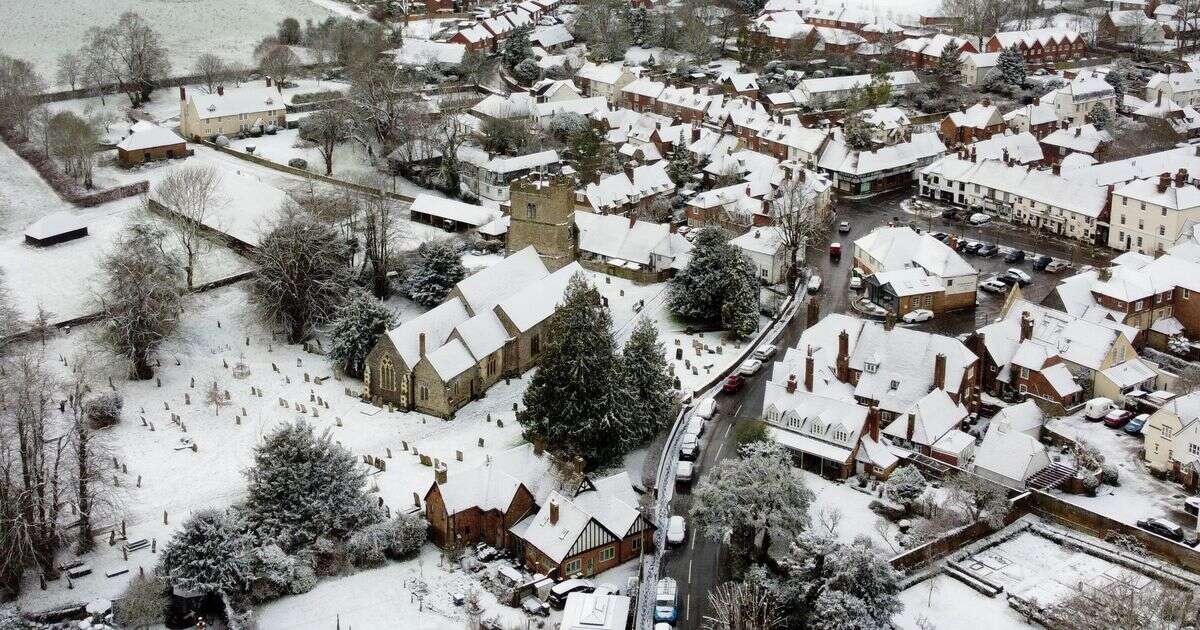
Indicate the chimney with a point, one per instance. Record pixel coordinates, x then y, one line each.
912 426
973 154
671 226
629 170
553 512
1078 131
539 447
1005 156
439 474
1056 168
1158 101
695 132
1026 326
808 370
268 81
889 321
873 423
813 314
843 357
421 344
791 383
987 101
182 93
220 90
1164 182
1181 178
757 233
939 371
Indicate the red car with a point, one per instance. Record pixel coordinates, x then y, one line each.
1117 418
733 384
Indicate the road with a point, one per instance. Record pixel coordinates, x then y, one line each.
697 567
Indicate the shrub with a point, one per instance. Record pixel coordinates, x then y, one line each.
408 534
325 556
104 410
527 71
304 580
1090 483
1110 475
143 604
367 547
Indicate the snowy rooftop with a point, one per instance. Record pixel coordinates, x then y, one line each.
423 52
54 224
452 209
237 101
146 135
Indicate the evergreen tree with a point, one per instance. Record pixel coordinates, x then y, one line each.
1011 64
1101 117
1117 77
856 131
879 90
578 400
438 268
649 383
302 486
208 554
680 168
592 153
906 485
637 21
517 48
355 330
739 313
949 64
718 285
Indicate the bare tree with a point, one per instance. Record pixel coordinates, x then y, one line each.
303 273
278 62
981 18
1127 602
139 297
742 606
976 499
381 232
212 71
70 69
10 319
89 449
74 141
382 98
129 54
798 222
20 86
325 128
190 194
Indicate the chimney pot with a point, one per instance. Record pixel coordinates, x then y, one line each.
421 344
791 383
553 512
220 90
1026 326
939 371
808 370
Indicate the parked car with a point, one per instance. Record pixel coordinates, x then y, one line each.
1117 418
1007 279
706 409
558 593
950 215
1134 427
676 530
844 227
1096 408
1162 527
1015 256
979 218
992 285
689 448
665 601
918 315
1056 266
750 367
1040 262
733 384
1191 505
814 283
695 426
765 352
684 472
969 247
872 308
856 283
535 606
835 252
987 250
941 236
1021 277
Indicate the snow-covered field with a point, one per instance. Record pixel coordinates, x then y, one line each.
41 31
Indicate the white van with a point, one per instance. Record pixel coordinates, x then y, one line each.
706 409
1097 408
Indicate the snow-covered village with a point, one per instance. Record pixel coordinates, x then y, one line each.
600 314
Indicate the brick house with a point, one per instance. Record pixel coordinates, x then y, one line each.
1040 46
1039 120
921 271
642 95
977 122
148 142
924 52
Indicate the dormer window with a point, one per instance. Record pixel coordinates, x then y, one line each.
894 385
872 367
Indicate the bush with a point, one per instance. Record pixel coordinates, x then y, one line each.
104 410
368 547
1110 475
273 572
304 580
527 72
143 604
408 534
325 557
1090 483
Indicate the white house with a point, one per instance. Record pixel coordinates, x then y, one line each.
833 90
976 66
1181 87
764 247
1073 102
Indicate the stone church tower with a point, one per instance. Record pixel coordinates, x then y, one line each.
543 215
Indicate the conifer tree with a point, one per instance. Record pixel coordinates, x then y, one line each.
438 268
207 555
1011 64
649 383
718 285
739 313
355 330
949 64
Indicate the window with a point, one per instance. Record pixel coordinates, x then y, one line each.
535 345
424 391
1162 231
491 365
387 373
1186 294
1141 224
872 368
608 553
573 567
1122 219
1024 372
1194 449
1167 432
1164 211
530 211
637 543
1137 306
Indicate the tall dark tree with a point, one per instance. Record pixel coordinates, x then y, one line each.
577 400
129 54
437 269
207 554
355 329
949 64
717 286
591 154
649 382
1011 66
517 47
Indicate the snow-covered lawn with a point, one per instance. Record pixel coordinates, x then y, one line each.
1140 495
349 160
24 196
854 515
41 31
948 604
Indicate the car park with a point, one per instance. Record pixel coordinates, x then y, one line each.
1135 425
1021 277
689 448
986 250
979 218
918 315
559 592
1117 418
1039 263
750 367
1162 527
1015 256
733 384
992 285
814 283
844 227
676 530
1057 266
706 409
765 352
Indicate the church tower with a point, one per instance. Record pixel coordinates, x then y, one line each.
543 215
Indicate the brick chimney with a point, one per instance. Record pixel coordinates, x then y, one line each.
182 93
889 321
1078 131
695 132
1004 153
268 81
1056 168
808 370
1164 180
873 423
633 217
974 155
912 426
440 474
939 371
1158 101
553 512
220 90
843 357
421 344
1026 326
1181 177
791 383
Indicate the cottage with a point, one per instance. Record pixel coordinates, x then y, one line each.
149 142
977 122
977 66
765 249
620 245
911 271
1084 139
606 80
934 419
232 111
925 52
1009 456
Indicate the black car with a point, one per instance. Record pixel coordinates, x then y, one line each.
987 250
941 236
1039 263
1163 528
971 248
1015 256
950 215
1007 279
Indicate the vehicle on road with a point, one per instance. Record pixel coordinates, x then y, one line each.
814 283
666 601
1134 427
979 218
993 285
986 250
1117 418
750 367
856 283
695 426
871 308
689 448
844 227
1191 505
1021 277
969 247
950 214
706 409
559 592
1015 256
733 384
765 352
676 531
1096 408
1040 262
918 315
835 252
684 472
1162 527
1056 266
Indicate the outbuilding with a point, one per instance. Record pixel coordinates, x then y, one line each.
148 142
55 228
